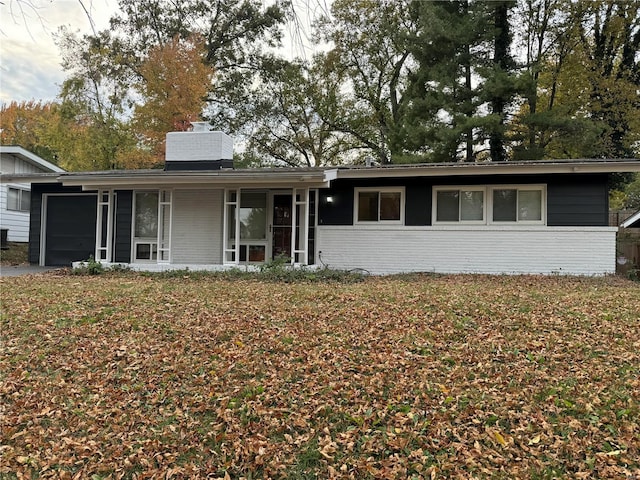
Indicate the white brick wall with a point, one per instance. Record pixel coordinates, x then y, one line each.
197 146
196 236
543 250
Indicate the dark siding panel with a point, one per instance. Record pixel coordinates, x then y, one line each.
578 203
340 210
35 216
572 199
122 244
418 205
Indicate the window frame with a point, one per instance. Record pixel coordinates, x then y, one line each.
488 204
159 249
459 188
21 192
379 190
520 187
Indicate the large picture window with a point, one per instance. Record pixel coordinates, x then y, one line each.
18 199
379 205
489 204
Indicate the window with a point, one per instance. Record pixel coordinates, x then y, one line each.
502 204
517 205
145 241
146 214
253 215
379 205
460 205
18 199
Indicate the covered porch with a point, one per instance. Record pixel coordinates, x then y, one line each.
213 225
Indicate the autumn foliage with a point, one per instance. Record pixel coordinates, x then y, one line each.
133 376
175 82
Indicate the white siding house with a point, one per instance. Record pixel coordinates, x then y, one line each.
15 198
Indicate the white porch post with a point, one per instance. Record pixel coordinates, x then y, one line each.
104 214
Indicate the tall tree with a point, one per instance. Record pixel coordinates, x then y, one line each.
173 86
547 35
501 84
584 100
442 116
95 99
610 33
370 50
290 105
27 124
105 66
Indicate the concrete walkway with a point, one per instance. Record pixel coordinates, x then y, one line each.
17 270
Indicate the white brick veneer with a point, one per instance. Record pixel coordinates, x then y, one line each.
197 146
515 250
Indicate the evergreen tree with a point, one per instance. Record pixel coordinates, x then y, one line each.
442 116
501 82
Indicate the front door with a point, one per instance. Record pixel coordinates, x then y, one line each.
281 225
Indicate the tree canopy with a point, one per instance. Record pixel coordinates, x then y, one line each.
391 80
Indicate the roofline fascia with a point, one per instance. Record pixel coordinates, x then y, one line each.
490 169
631 220
230 179
48 177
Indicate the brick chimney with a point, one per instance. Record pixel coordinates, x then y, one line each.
199 149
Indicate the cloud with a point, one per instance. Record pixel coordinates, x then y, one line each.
29 59
29 72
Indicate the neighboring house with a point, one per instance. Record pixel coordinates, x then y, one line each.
632 222
199 213
15 196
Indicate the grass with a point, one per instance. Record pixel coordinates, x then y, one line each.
419 376
16 254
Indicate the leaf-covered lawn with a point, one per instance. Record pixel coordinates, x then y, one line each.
131 376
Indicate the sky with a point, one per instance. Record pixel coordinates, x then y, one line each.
29 58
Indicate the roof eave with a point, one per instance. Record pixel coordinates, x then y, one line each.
319 179
629 222
491 169
31 158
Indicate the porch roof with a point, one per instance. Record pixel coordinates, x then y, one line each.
255 177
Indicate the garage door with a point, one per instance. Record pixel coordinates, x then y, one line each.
70 233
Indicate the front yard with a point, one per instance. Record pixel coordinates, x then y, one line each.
133 376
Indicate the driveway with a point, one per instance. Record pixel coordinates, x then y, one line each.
17 270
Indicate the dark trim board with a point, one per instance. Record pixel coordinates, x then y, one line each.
123 222
572 199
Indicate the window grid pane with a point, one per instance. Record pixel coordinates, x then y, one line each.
447 206
504 205
13 199
368 206
25 200
146 214
390 206
530 205
253 216
471 205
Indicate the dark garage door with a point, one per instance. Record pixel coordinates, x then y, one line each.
70 229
